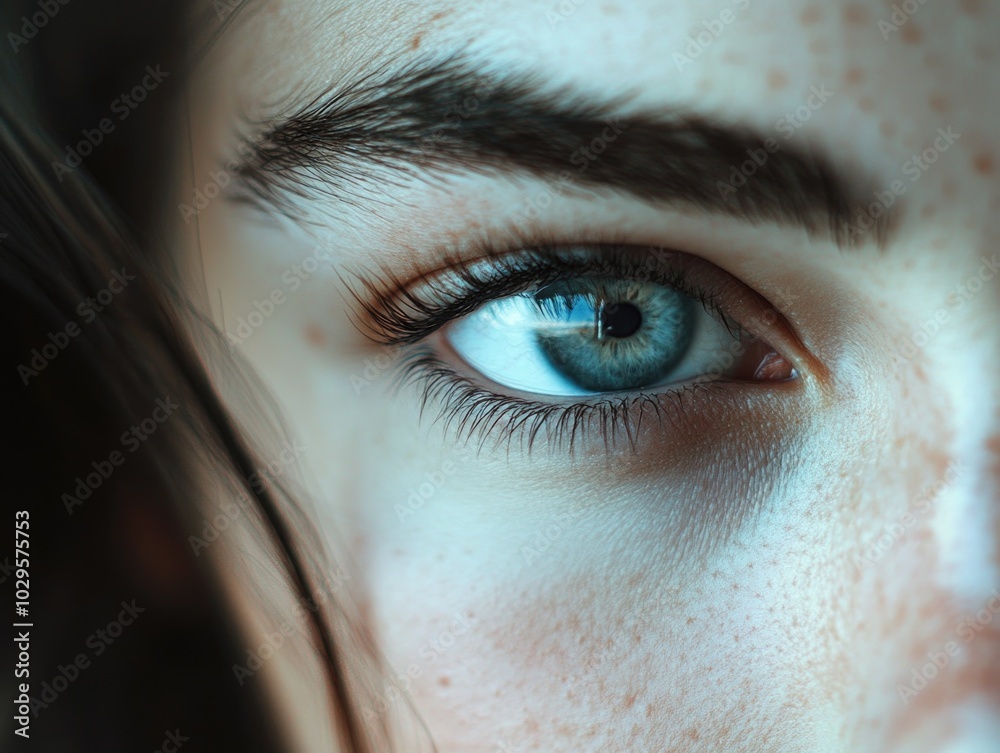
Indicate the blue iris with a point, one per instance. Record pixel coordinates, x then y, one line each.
607 335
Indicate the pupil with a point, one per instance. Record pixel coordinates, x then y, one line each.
619 320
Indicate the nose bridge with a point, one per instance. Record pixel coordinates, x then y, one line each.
968 363
991 444
956 680
971 522
948 687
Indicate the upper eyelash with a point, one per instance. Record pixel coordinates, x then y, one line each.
395 314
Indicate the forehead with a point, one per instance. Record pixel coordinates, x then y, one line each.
894 72
602 43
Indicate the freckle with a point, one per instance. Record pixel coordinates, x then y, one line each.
983 164
415 44
949 189
928 211
910 34
776 80
444 681
733 57
939 244
854 75
984 53
972 7
938 102
887 129
314 335
993 445
866 103
819 46
810 15
855 15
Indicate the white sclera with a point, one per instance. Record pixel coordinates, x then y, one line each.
499 340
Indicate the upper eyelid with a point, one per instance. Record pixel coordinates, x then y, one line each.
386 300
398 314
384 297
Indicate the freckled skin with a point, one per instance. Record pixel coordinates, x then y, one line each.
776 80
767 576
855 15
983 164
854 75
972 7
314 335
938 103
811 15
911 34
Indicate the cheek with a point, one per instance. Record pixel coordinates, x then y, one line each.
623 662
587 634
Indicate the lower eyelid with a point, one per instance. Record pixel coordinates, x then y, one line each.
482 412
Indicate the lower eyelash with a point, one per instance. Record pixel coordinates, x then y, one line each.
471 411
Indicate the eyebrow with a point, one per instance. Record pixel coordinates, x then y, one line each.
448 116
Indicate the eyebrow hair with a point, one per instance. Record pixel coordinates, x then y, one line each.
447 116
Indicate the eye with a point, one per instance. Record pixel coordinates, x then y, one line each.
591 335
556 340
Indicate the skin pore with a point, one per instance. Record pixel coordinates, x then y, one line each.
774 565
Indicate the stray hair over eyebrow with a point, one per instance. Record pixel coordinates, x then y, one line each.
445 116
